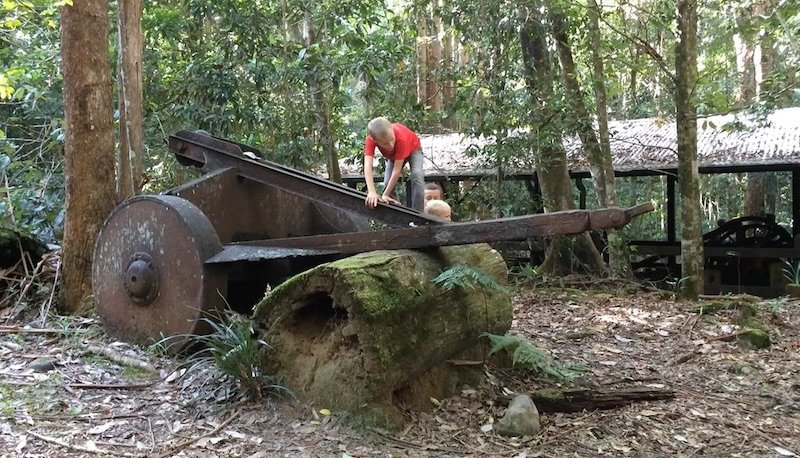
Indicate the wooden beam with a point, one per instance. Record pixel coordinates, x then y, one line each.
514 228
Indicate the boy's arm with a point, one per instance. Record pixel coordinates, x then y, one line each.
372 196
397 170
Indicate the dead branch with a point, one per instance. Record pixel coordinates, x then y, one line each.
118 357
79 448
19 330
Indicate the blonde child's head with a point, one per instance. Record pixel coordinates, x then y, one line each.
438 208
380 129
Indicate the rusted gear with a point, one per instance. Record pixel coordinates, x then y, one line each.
148 273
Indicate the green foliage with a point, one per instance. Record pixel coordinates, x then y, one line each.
467 278
527 356
233 353
791 271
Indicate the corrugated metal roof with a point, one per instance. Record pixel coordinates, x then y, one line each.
639 144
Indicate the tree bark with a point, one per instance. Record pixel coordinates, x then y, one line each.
598 154
322 113
89 143
755 194
551 159
422 60
434 57
363 333
745 67
129 81
688 176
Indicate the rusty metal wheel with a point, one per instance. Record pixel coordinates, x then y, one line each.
148 273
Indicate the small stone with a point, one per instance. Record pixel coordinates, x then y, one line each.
521 418
43 364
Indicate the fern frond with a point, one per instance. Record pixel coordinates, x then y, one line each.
467 277
528 356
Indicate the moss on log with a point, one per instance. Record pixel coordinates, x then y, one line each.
12 244
372 333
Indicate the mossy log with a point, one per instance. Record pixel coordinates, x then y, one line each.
550 400
372 334
13 244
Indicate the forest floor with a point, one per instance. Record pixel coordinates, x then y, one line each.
731 400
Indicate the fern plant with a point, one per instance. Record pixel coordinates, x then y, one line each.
527 356
470 278
467 278
232 353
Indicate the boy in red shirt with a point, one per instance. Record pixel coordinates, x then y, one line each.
398 144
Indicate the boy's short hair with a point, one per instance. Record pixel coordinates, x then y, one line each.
432 186
436 207
379 127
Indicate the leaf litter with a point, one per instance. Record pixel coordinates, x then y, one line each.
732 400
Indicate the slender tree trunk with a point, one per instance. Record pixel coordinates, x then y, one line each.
619 261
551 159
422 60
688 176
131 129
743 46
322 111
434 57
447 68
89 143
755 193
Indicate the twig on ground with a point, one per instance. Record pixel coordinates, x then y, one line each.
19 330
45 310
412 445
728 337
117 357
181 445
114 386
79 448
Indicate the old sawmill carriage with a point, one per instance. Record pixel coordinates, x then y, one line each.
162 262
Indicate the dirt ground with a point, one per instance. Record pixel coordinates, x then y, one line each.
731 400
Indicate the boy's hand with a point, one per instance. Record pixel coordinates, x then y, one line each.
389 200
372 199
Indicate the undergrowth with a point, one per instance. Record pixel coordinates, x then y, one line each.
232 353
525 355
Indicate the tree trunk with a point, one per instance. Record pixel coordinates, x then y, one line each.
369 332
89 143
688 176
745 67
551 159
597 154
129 81
422 60
434 57
755 194
322 113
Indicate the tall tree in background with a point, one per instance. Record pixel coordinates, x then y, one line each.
89 143
551 159
619 259
129 82
599 158
688 175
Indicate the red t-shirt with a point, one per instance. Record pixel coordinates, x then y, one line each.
405 143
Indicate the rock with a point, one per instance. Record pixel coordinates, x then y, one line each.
521 418
43 364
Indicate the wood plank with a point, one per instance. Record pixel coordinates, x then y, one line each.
514 228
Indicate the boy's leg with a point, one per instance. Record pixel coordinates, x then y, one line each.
387 175
416 163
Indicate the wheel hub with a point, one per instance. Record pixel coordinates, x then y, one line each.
141 279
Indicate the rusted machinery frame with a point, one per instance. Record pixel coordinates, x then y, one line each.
210 153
